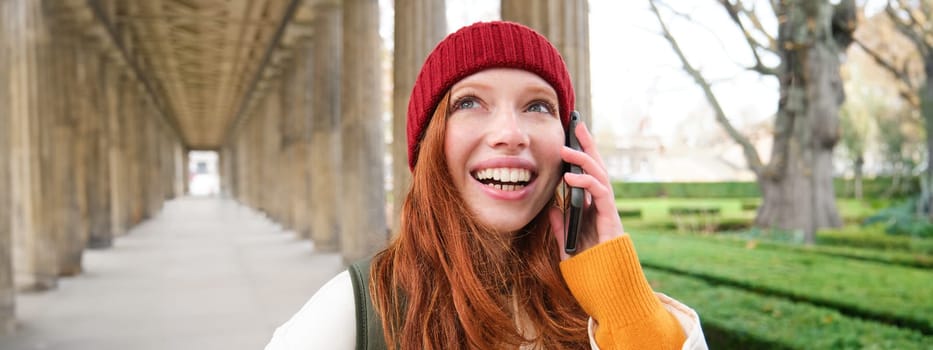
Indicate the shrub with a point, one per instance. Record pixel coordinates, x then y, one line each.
873 237
891 294
629 212
871 188
733 224
750 204
893 257
693 210
737 319
903 220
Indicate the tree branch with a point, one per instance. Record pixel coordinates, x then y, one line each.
906 90
756 22
752 43
908 29
749 151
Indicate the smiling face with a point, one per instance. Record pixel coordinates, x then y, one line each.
502 144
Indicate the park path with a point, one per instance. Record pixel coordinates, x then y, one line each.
205 273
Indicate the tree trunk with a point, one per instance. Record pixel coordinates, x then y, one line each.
926 111
7 288
859 163
895 181
798 184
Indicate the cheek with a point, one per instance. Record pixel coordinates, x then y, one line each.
550 142
455 148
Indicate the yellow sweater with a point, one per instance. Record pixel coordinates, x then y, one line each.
609 284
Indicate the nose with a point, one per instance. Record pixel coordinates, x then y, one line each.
507 131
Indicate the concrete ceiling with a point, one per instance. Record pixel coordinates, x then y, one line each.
202 60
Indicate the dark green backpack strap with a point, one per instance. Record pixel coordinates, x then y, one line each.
369 335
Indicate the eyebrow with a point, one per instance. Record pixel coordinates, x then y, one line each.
533 88
545 90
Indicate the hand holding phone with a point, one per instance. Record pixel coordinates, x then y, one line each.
573 214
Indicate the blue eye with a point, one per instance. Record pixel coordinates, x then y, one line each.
467 102
541 107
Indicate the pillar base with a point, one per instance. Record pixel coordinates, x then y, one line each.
72 270
99 242
7 314
35 283
326 247
7 324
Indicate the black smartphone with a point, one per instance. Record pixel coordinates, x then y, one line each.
573 212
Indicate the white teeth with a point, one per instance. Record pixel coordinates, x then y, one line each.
504 174
506 187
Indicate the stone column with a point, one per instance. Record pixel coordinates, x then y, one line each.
98 137
325 126
115 153
151 149
132 102
255 163
269 113
142 161
566 24
226 158
66 211
27 39
180 170
186 168
7 288
419 26
362 191
241 153
296 92
271 146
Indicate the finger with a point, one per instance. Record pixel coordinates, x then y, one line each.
602 196
556 217
588 145
586 162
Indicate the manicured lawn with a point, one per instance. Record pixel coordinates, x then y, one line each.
893 294
733 318
657 208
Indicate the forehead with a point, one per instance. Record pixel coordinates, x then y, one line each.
505 79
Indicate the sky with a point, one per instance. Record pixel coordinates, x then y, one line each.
636 77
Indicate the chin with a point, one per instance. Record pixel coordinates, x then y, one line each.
510 224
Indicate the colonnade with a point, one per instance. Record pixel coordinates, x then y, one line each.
89 149
84 152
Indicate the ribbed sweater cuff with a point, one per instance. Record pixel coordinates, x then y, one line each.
608 282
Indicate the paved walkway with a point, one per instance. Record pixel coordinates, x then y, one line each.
203 274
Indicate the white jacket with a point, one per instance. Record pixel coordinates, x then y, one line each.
328 320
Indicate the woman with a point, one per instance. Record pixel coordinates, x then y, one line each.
479 260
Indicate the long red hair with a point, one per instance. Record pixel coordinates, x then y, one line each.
447 282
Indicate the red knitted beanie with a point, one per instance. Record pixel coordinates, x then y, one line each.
475 48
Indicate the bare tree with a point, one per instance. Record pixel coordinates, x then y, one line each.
797 182
913 19
854 126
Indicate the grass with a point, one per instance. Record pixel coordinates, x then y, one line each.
913 259
658 208
886 293
737 319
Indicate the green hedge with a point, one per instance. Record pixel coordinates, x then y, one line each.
629 213
873 238
716 223
871 188
750 204
693 211
894 257
892 294
736 319
685 189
